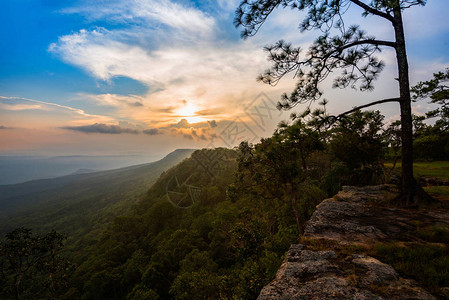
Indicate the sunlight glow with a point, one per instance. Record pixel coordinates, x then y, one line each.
195 119
188 112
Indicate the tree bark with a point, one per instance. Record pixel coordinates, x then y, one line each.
296 211
408 184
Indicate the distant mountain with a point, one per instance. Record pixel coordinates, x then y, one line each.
18 169
84 171
76 203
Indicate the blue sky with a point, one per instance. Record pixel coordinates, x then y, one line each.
29 69
119 76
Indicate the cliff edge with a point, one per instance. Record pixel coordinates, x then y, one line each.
333 261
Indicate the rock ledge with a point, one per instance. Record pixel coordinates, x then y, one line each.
350 218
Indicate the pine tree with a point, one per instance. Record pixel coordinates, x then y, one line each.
351 50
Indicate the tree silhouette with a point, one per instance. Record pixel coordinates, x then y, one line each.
352 51
433 141
437 89
279 165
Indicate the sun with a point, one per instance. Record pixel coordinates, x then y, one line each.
188 112
193 120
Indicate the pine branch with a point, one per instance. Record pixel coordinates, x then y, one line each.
374 11
329 120
365 106
367 42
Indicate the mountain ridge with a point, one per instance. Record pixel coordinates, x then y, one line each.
52 197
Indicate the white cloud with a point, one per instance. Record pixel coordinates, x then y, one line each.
229 5
173 48
423 70
17 107
203 72
176 50
17 101
99 53
43 114
150 13
119 101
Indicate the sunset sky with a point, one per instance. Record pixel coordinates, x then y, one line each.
145 77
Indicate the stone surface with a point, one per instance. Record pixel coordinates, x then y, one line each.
432 181
351 218
307 274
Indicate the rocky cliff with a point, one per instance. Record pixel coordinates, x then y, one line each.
327 265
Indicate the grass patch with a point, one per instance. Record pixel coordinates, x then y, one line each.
434 234
319 244
426 263
324 245
439 192
438 169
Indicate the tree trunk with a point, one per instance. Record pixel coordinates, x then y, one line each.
410 189
52 287
408 184
296 211
17 285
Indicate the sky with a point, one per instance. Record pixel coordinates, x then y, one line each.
145 77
